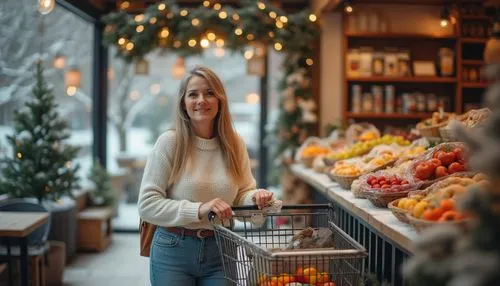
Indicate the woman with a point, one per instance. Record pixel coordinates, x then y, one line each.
200 166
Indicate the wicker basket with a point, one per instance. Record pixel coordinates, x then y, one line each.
382 199
358 193
344 181
307 161
399 213
420 224
329 162
429 131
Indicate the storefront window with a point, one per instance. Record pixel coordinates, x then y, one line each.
26 37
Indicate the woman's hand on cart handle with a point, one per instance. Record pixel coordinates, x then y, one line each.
217 206
262 197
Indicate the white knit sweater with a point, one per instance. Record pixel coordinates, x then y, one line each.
205 178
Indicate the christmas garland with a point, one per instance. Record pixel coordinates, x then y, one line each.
186 32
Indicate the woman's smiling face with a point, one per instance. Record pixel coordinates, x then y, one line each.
200 101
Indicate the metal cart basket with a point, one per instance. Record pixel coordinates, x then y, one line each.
255 254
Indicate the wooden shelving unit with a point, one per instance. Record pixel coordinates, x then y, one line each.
414 79
372 115
474 40
398 36
473 62
425 47
474 85
471 91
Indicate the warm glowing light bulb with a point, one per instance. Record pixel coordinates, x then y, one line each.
204 43
192 43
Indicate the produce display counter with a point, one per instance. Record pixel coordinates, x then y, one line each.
387 240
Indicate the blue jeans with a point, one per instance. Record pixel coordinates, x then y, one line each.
178 260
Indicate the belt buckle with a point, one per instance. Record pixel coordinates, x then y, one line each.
199 233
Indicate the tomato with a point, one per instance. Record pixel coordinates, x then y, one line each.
382 182
458 153
404 182
455 167
374 181
435 162
447 158
376 186
386 186
441 171
437 153
381 178
370 179
423 171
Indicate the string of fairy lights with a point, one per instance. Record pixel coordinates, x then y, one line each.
251 28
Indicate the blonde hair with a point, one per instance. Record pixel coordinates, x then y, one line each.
184 137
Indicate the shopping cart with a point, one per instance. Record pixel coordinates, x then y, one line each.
255 254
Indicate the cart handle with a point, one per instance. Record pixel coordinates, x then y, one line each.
212 215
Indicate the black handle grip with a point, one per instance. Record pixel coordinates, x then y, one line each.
212 215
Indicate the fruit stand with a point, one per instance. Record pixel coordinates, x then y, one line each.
388 188
388 241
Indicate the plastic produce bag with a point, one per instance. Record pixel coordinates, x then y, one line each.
361 132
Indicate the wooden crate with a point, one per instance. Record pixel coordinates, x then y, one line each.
36 271
94 228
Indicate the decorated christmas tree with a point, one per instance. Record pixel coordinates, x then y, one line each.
103 192
41 166
449 255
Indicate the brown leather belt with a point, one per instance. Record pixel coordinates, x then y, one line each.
199 233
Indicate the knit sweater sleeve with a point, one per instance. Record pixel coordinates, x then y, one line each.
154 205
246 188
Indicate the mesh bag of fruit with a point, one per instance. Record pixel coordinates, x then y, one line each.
361 132
463 179
438 163
386 181
312 147
382 187
417 148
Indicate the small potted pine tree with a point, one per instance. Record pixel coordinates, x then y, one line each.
42 167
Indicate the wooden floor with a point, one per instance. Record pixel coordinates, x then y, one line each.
120 265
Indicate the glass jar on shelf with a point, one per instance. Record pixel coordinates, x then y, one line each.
465 74
356 98
378 101
389 98
421 102
391 62
432 102
353 65
362 22
365 59
367 102
378 64
404 63
473 76
446 61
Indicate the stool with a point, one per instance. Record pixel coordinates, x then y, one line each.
94 228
